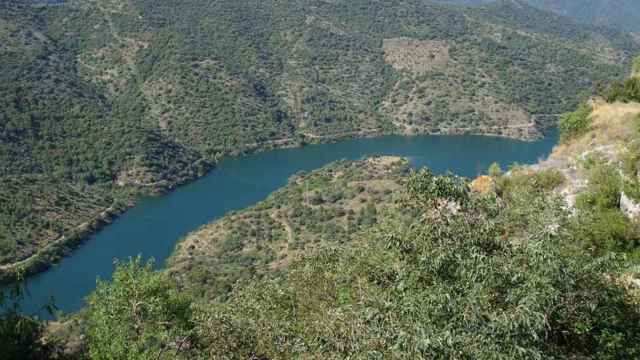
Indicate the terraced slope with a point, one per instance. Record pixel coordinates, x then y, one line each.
332 205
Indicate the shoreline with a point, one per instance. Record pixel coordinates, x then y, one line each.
64 246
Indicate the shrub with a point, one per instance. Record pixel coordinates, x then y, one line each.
624 91
631 188
139 315
531 182
603 190
636 66
427 189
494 170
456 288
600 225
575 123
631 170
631 161
20 334
606 230
548 179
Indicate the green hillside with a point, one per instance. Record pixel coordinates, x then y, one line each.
333 205
616 14
369 259
105 100
620 14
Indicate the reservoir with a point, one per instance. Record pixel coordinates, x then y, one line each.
154 226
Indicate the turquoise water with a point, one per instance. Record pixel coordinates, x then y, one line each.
153 227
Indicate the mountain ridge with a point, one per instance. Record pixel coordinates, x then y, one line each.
618 14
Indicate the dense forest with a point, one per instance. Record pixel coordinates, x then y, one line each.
101 101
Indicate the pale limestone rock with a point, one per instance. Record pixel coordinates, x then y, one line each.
629 207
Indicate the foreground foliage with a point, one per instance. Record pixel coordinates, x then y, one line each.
20 334
138 315
624 91
574 124
469 278
601 224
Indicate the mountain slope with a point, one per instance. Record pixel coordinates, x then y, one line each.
332 205
497 267
368 259
621 14
318 69
617 14
62 141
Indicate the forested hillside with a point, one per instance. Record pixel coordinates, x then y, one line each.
617 14
369 259
104 100
63 142
332 205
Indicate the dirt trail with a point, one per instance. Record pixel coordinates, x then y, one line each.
60 240
287 227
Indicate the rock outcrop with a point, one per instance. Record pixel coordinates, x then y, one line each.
629 207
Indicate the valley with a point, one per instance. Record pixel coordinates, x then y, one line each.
543 246
105 102
319 179
156 224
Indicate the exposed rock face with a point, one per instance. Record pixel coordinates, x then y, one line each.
629 207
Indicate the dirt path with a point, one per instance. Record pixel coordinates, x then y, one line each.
285 224
60 240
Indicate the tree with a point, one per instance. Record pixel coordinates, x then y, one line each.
139 315
20 334
463 287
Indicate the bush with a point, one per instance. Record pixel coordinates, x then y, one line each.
631 170
606 230
631 188
603 190
428 190
20 334
548 179
531 182
494 170
139 315
575 123
600 225
624 91
631 161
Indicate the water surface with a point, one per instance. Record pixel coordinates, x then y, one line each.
153 227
